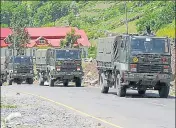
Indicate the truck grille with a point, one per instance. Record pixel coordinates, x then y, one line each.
68 67
23 70
142 68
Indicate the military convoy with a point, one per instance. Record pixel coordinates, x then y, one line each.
52 65
141 62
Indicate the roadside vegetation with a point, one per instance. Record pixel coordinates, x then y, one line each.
97 18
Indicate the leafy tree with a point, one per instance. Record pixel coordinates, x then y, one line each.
70 39
19 37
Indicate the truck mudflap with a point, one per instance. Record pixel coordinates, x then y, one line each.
147 77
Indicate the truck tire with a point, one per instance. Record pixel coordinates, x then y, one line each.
30 81
121 90
0 83
51 83
19 81
141 92
9 82
103 84
78 82
65 83
41 82
164 91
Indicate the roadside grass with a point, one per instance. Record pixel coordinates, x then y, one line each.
7 106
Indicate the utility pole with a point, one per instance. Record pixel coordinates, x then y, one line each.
126 18
14 49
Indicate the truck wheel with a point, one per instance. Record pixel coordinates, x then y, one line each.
19 81
164 91
103 84
51 83
78 82
121 90
65 83
30 81
41 82
9 82
0 83
141 92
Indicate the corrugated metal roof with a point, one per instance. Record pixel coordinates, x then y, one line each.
49 33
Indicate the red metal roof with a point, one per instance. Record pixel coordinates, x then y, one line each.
52 34
3 44
5 32
49 31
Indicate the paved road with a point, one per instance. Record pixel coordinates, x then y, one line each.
132 111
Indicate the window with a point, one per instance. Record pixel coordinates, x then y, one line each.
42 41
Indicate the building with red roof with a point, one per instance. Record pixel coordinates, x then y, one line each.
47 37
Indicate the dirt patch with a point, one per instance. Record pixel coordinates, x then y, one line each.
90 73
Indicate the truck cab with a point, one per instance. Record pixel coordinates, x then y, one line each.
140 62
19 69
64 65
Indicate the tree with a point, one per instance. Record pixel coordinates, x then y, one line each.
19 37
70 39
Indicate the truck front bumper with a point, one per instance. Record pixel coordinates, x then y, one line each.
147 77
67 75
22 76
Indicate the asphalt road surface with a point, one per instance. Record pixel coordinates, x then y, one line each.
132 111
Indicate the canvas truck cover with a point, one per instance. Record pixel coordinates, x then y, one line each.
41 56
2 64
105 49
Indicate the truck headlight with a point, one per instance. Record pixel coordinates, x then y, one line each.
133 67
165 68
15 71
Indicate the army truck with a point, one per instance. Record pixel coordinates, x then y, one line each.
19 69
3 71
41 65
64 65
140 62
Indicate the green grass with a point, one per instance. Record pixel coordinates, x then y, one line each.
8 106
108 15
131 28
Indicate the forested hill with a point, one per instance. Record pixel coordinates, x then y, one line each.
95 17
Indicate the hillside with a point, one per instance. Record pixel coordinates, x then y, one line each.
97 18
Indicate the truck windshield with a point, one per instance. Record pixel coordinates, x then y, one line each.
67 54
22 60
149 45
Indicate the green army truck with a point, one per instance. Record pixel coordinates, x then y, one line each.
139 62
64 65
41 65
19 69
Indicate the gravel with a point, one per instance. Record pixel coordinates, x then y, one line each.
37 113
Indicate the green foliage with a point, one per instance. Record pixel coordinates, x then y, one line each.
158 18
62 43
168 30
70 39
92 52
4 25
19 37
